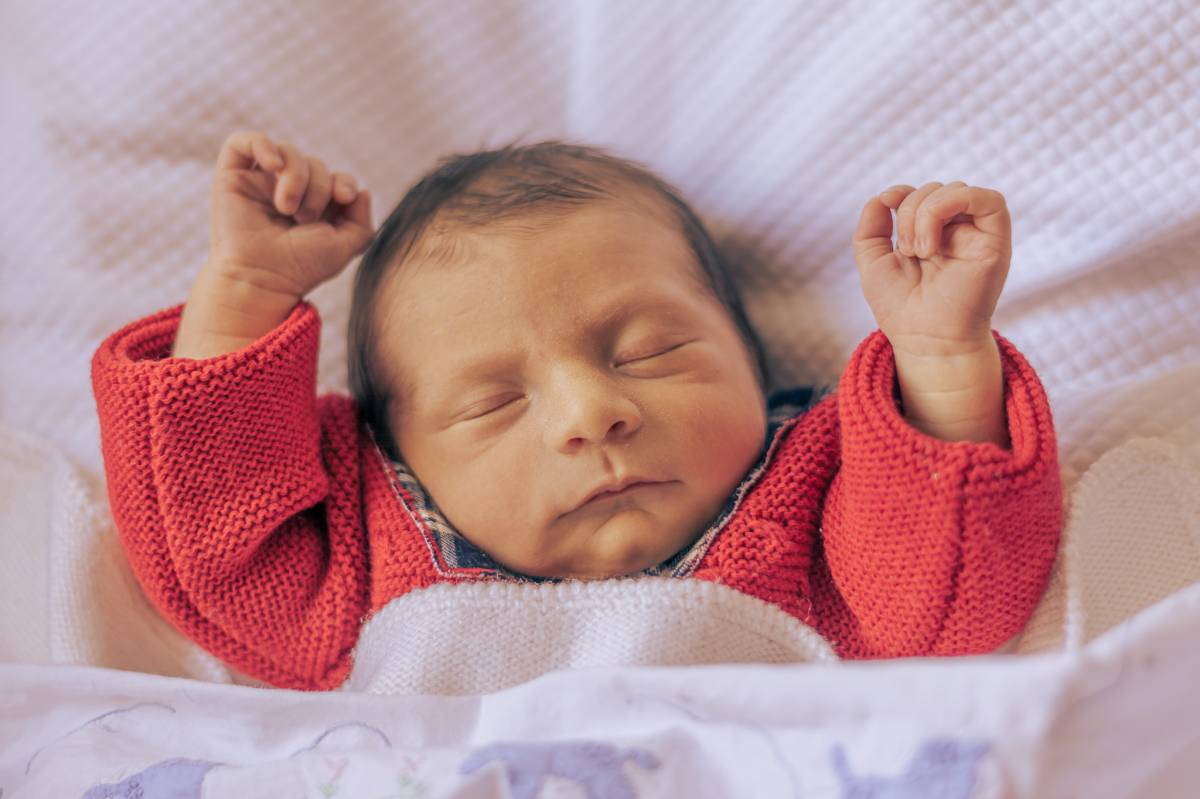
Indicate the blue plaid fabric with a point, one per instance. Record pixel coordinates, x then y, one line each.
784 408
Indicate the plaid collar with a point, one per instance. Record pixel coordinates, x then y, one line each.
455 556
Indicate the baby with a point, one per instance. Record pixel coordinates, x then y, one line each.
549 357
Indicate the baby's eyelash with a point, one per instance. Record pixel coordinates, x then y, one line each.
624 361
488 406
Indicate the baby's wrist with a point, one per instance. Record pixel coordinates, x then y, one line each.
955 398
255 283
227 311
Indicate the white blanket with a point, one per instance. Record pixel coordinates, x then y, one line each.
1116 719
777 120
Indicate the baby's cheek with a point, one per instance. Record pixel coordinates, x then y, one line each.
729 431
494 494
472 497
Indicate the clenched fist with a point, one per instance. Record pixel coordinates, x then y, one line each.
281 219
935 292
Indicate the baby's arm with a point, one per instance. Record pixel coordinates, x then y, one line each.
933 547
942 523
233 487
234 491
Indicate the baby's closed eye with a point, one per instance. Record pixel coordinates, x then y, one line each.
655 361
489 405
647 352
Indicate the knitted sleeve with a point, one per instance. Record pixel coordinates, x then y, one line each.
235 493
934 547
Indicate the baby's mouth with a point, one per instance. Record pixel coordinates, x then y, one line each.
618 489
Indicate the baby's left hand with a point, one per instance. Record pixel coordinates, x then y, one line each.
935 293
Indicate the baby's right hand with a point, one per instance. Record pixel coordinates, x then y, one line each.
280 219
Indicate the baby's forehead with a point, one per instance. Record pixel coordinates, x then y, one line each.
501 271
635 228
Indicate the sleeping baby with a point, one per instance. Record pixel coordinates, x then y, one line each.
554 379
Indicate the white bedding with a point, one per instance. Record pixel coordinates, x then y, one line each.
777 120
916 729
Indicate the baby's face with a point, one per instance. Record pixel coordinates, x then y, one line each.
536 367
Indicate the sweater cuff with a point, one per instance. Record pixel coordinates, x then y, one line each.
869 411
145 345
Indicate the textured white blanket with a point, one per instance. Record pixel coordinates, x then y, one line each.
1116 719
778 120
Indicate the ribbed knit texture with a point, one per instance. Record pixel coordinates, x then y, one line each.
261 521
519 631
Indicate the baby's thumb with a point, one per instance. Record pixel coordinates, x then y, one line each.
355 229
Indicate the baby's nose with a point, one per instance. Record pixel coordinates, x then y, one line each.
593 411
612 421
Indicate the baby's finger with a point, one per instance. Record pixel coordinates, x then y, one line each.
244 149
892 196
293 181
985 207
345 188
873 237
929 221
906 217
316 196
354 228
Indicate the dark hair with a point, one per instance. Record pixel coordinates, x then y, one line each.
477 189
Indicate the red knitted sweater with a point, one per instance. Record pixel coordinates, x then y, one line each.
265 524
